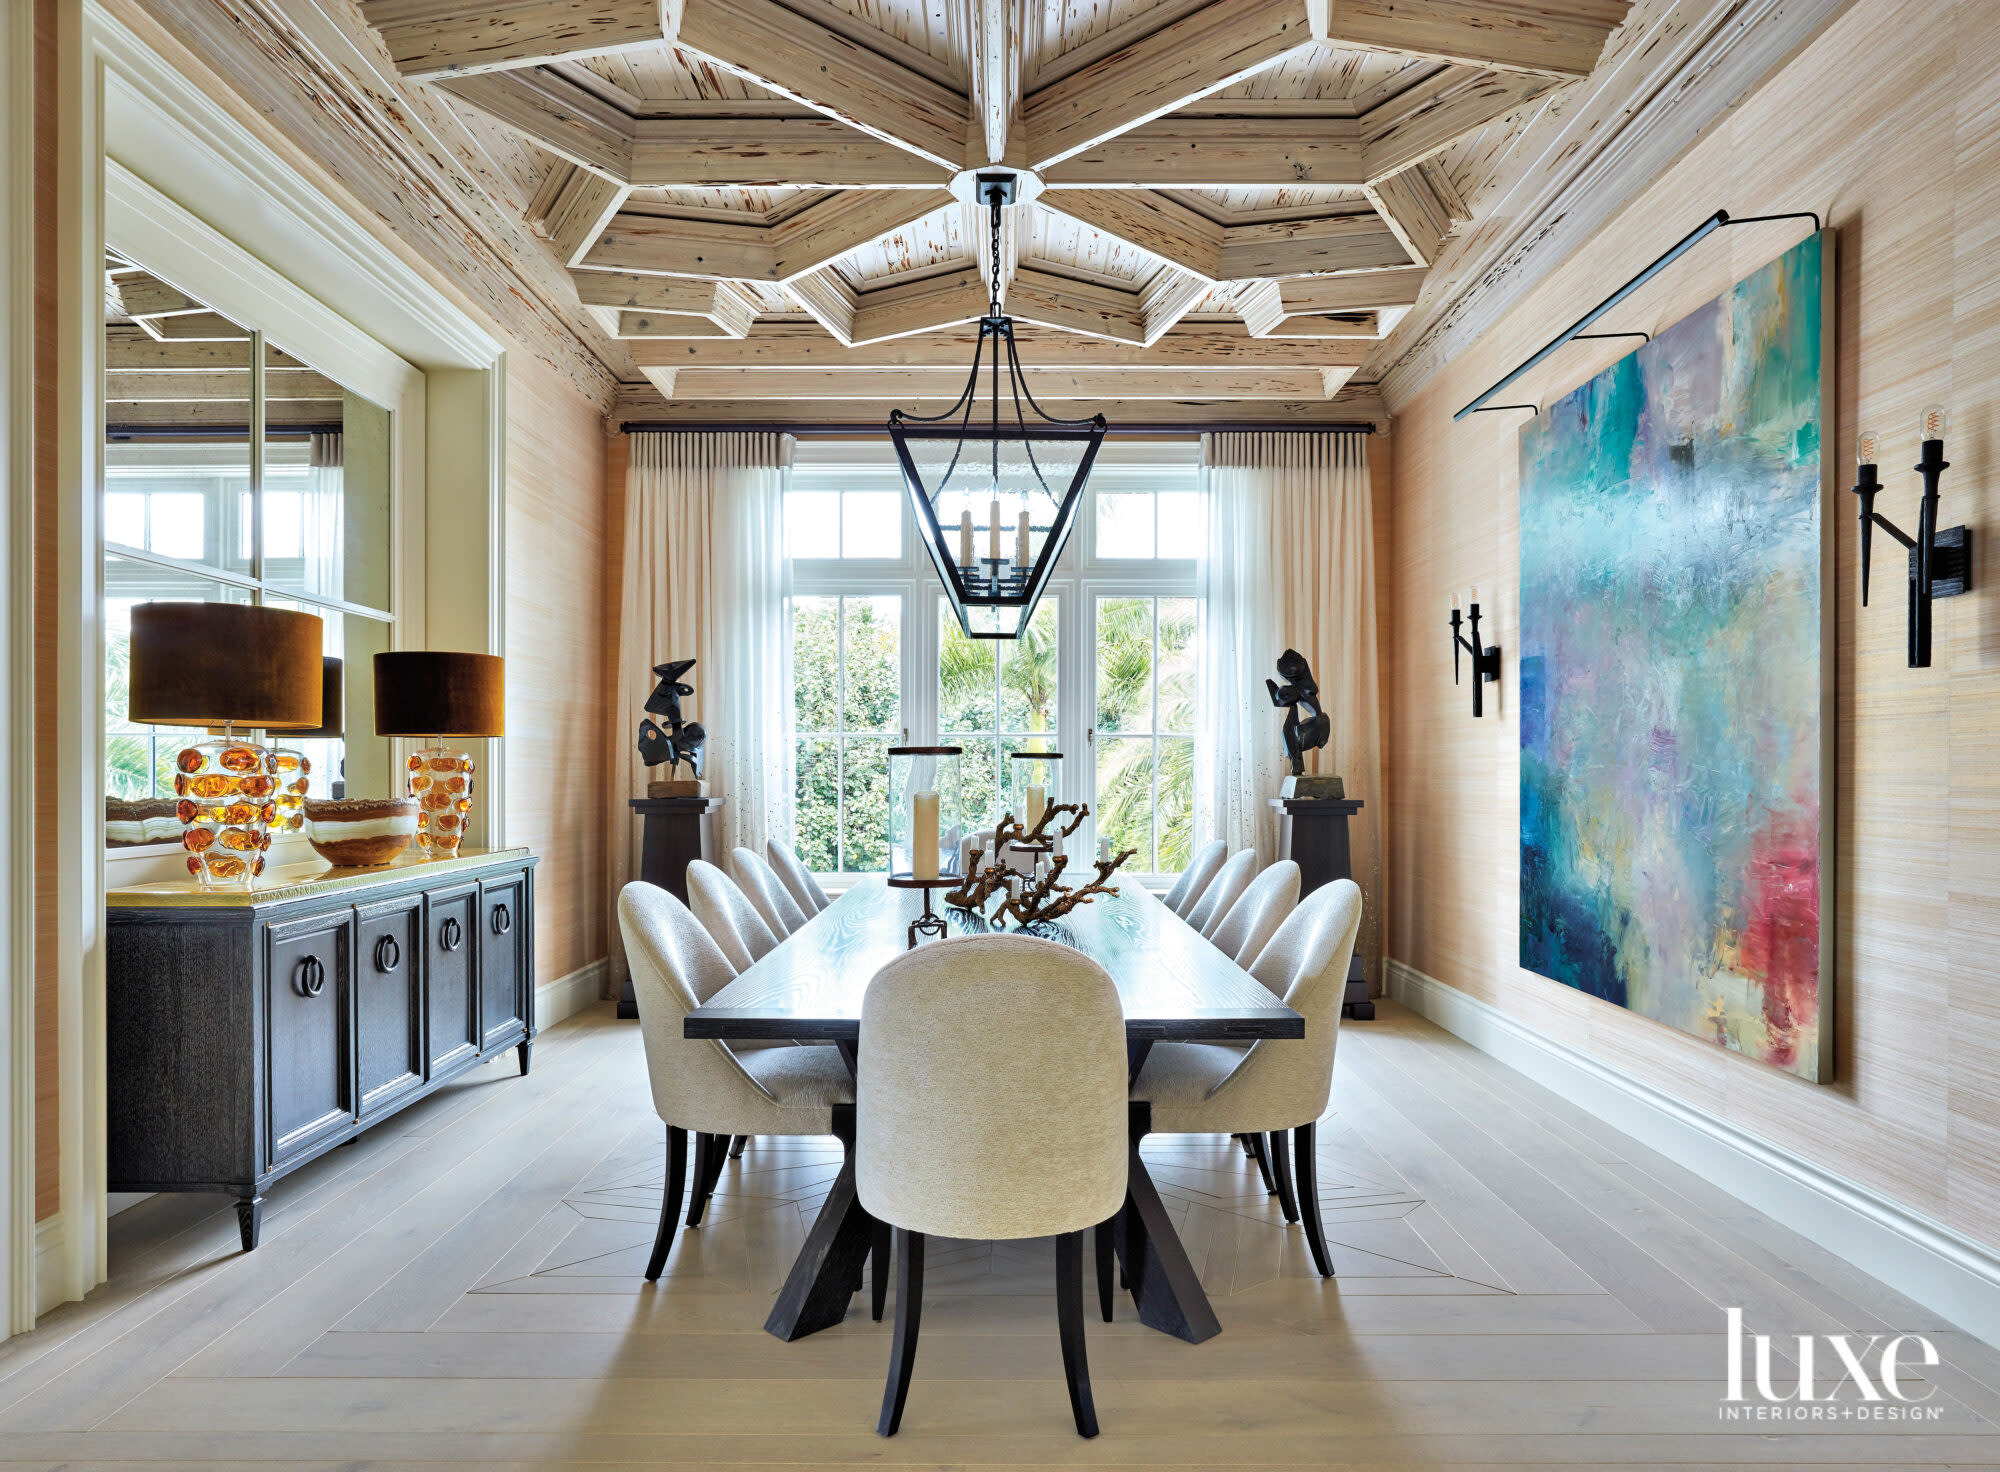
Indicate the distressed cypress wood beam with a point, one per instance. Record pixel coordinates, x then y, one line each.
1311 247
901 308
148 296
828 299
572 208
1221 152
645 306
1043 297
1167 298
1353 404
832 227
945 384
1437 112
1188 58
812 153
798 56
799 345
1154 223
433 38
1420 218
1360 291
548 108
662 246
194 327
223 385
1561 38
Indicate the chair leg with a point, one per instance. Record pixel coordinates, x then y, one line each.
736 1147
1307 1176
1106 1253
1069 1320
909 1251
1281 1167
670 1206
1248 1149
711 1154
1257 1153
878 1269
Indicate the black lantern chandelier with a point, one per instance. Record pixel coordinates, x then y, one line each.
996 499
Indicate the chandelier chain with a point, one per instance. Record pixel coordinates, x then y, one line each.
993 304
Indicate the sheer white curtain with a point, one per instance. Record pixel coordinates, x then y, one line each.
1290 564
320 516
705 577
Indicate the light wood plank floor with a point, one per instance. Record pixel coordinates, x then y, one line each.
1518 1286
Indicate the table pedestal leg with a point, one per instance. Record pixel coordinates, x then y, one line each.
823 1280
1164 1284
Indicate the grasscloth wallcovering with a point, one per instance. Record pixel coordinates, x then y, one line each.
1906 167
557 765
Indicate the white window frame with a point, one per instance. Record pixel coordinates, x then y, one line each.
1080 578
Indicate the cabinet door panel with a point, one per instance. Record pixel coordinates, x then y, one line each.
451 941
502 961
389 1020
309 1060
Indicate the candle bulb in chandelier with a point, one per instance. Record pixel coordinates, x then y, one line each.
993 530
965 539
1022 537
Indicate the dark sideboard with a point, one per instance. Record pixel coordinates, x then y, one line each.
252 1032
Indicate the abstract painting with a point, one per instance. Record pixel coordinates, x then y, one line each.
1675 675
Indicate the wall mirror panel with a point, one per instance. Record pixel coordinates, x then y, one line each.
235 471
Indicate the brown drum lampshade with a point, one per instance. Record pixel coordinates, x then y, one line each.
331 704
440 692
210 664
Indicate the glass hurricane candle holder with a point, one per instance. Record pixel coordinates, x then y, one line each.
228 801
441 782
926 817
1035 785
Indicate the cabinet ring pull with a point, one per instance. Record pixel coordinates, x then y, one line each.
388 955
451 934
311 977
503 919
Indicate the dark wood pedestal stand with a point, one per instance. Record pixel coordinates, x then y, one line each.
1312 832
678 830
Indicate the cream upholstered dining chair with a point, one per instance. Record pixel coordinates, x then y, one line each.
730 919
1278 1086
701 1084
766 892
1196 877
1257 913
1226 888
991 1104
796 877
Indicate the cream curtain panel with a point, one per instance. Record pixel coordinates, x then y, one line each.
1290 564
705 576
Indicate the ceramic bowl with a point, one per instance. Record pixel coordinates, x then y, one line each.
360 832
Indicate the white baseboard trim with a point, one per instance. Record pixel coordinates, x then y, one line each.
1922 1259
568 995
51 1263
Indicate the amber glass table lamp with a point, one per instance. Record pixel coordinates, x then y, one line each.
224 665
434 694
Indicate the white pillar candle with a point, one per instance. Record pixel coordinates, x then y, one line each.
993 530
965 539
924 835
1021 541
1038 801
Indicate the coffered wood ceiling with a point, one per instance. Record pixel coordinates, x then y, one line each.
1243 197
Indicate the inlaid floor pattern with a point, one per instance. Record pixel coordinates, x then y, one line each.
1519 1285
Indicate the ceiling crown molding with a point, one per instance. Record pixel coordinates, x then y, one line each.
1675 68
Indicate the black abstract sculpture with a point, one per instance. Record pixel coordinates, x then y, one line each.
682 740
1300 690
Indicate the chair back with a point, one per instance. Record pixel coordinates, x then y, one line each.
1305 963
1196 877
675 967
1224 891
1258 912
766 892
991 1095
796 877
731 922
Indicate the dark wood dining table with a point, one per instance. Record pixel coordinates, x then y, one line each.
1173 984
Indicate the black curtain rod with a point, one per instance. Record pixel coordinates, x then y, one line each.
123 432
1679 248
828 431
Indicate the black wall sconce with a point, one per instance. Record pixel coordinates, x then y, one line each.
1485 660
1940 561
